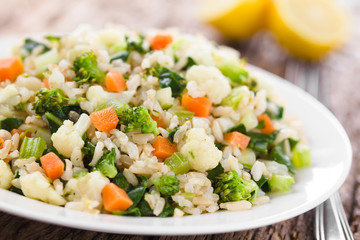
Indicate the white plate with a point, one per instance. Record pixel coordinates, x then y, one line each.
331 157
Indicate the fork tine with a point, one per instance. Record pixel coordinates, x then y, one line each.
343 218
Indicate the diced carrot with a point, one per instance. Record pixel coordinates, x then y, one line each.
115 82
2 143
159 121
163 148
237 139
46 83
115 198
105 120
19 131
269 127
160 41
52 165
10 68
200 105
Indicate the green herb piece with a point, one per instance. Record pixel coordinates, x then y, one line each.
293 143
168 208
88 151
231 187
168 78
238 128
32 147
213 173
260 142
106 164
54 122
167 185
263 183
220 146
278 154
132 212
137 194
87 70
190 62
9 124
172 134
178 163
124 55
274 111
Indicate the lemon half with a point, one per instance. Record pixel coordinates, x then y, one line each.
236 19
308 28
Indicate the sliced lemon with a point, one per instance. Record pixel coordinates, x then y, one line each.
308 28
236 19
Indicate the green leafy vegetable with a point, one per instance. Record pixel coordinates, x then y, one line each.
121 182
30 45
16 190
278 154
124 55
80 174
178 163
263 183
167 185
260 142
137 194
130 46
54 122
172 134
138 117
231 187
238 128
190 62
32 147
168 78
88 151
274 111
87 70
293 143
213 173
281 183
132 212
220 145
106 164
53 38
168 208
11 123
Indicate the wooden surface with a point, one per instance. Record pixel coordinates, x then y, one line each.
339 77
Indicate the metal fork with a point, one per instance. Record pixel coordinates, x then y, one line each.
330 219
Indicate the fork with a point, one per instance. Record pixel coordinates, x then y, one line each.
330 218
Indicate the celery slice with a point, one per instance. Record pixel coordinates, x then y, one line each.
178 163
32 147
301 156
280 183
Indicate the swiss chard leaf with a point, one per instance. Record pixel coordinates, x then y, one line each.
88 151
145 209
275 111
124 55
9 124
213 173
54 122
190 62
278 154
168 78
220 145
30 45
293 143
132 212
238 128
263 183
168 208
172 134
137 194
260 142
121 182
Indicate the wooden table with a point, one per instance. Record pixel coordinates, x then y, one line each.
339 76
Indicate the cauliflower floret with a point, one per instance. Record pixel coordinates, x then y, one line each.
200 150
29 82
211 81
35 185
9 95
89 186
69 136
96 95
6 175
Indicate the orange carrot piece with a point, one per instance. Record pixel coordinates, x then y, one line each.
200 105
105 120
159 121
52 165
115 82
269 127
46 83
10 68
163 148
115 198
160 41
2 143
237 139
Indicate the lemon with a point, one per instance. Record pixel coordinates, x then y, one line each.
236 19
308 28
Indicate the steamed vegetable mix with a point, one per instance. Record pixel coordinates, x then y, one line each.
155 124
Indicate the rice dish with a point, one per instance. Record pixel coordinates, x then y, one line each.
156 123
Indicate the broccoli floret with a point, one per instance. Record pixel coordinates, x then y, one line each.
167 185
106 164
231 187
138 117
49 100
87 70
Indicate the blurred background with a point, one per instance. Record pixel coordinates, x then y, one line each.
300 30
